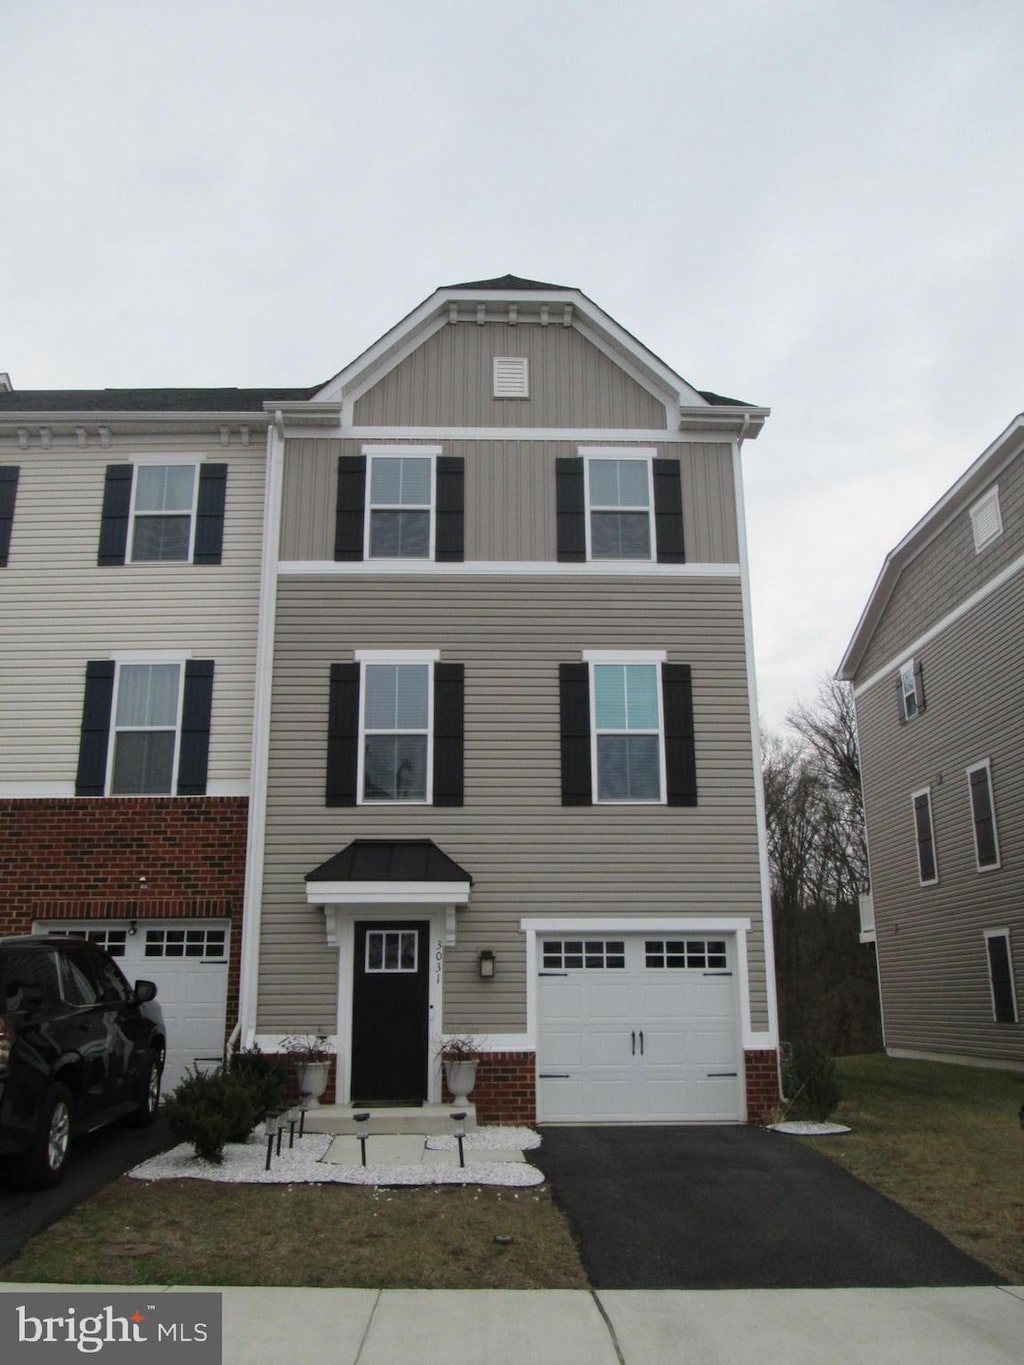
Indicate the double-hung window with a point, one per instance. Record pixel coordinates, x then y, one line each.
147 713
910 690
168 511
620 507
627 732
628 757
395 730
395 752
145 726
924 832
400 503
983 816
400 524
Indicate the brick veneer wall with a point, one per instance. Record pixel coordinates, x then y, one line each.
506 1088
81 858
762 1070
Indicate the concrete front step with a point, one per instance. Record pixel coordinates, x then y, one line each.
434 1120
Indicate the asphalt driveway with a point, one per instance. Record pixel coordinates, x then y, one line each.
735 1208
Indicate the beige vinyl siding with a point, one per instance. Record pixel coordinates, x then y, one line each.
528 855
448 381
510 497
931 950
61 610
948 570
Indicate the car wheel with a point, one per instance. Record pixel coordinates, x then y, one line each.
44 1162
149 1095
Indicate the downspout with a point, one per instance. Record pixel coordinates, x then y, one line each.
245 1028
771 996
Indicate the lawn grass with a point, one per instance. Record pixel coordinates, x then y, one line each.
942 1141
204 1233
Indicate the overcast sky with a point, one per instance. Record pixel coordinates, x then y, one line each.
815 205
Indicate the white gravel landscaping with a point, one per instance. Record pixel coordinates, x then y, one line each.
797 1128
308 1163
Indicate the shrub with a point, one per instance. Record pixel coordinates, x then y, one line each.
267 1079
210 1108
810 1082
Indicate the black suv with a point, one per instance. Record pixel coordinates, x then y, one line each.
79 1048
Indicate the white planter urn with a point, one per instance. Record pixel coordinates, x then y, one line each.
461 1078
313 1083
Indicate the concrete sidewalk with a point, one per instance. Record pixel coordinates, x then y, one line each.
967 1326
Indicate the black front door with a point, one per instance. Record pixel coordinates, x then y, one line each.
390 1010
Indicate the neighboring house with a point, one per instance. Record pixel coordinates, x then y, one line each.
130 537
506 774
935 663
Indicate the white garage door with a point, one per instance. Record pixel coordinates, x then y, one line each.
638 1028
188 960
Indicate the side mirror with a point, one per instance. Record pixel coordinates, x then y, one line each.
145 991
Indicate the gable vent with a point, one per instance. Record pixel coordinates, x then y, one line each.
986 519
511 377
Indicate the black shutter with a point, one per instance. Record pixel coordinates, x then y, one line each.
900 700
574 710
213 483
343 735
8 492
919 684
925 842
984 818
449 543
569 511
668 511
1001 975
117 504
449 733
91 779
350 508
195 727
680 755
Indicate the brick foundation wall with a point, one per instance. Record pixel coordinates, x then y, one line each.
506 1088
762 1071
81 858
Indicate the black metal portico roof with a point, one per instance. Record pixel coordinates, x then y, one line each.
390 860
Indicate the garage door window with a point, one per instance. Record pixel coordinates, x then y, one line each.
186 942
113 941
678 953
589 954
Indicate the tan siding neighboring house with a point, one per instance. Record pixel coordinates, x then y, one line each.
950 943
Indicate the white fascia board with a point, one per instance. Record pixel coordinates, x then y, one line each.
744 422
356 894
65 426
572 436
300 413
955 500
638 924
499 568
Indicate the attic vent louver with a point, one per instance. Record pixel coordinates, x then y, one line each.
986 518
511 377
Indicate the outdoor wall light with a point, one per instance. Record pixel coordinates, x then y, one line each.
486 963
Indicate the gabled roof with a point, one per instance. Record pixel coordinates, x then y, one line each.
953 502
508 282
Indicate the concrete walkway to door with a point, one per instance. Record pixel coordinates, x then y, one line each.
734 1208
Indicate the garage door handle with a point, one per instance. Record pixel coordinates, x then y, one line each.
718 973
717 1075
554 1076
552 973
633 1036
641 1042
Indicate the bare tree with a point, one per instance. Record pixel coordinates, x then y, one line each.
818 858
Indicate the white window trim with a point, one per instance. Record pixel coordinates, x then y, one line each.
400 452
422 657
521 382
988 502
906 674
161 462
924 791
128 660
588 454
653 658
986 765
1003 933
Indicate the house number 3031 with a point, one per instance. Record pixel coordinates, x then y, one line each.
438 956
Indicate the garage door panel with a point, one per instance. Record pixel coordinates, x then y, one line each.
638 1038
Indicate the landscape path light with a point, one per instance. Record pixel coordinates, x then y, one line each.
459 1120
361 1132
